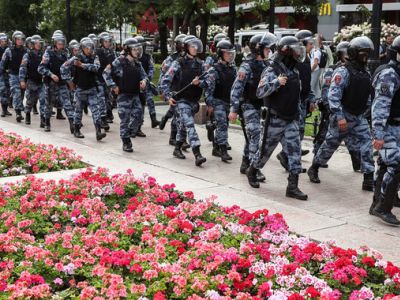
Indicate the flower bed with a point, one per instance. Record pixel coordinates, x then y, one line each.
347 33
20 156
109 237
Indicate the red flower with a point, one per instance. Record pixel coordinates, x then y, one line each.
159 296
136 268
391 270
369 261
295 297
289 269
312 292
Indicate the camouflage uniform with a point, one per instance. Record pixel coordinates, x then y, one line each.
386 126
129 108
35 90
281 127
357 135
12 64
106 57
4 84
250 110
220 106
56 92
84 94
186 108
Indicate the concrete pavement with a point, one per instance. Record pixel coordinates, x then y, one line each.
337 208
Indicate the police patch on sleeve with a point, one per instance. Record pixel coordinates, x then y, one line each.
385 89
338 78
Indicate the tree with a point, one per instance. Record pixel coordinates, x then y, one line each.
15 15
232 18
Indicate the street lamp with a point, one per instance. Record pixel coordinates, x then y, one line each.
68 17
271 16
375 34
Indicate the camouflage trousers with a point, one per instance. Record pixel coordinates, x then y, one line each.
146 98
130 113
251 117
35 92
17 93
55 93
390 155
278 130
221 112
90 98
357 137
185 122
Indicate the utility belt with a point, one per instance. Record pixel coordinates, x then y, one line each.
394 121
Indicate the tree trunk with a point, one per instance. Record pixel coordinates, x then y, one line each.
163 30
232 17
175 26
192 25
204 19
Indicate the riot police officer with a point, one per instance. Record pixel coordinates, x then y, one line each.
147 96
245 86
11 61
130 79
218 84
213 57
349 99
4 84
56 88
280 87
32 81
186 71
386 134
84 83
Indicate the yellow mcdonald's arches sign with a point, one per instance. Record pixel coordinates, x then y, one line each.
325 9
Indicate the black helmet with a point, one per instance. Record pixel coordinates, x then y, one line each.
17 35
87 43
141 41
104 36
3 37
226 46
304 36
28 42
132 43
261 41
220 36
94 38
58 32
191 40
58 38
73 43
360 48
394 49
289 46
36 39
341 48
179 42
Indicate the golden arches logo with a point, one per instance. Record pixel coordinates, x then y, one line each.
325 9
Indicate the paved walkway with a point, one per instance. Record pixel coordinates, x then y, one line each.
337 208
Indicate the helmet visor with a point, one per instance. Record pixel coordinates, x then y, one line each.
195 45
228 55
136 50
299 52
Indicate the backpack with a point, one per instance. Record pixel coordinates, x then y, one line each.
324 58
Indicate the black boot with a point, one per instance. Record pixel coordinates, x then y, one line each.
383 208
35 111
378 185
260 176
85 109
304 152
127 144
163 122
99 135
42 121
177 151
185 146
245 165
77 132
224 153
292 190
104 125
368 182
47 125
251 174
355 160
19 117
59 115
228 147
140 133
216 150
210 130
199 158
313 173
154 121
4 110
283 159
71 126
28 118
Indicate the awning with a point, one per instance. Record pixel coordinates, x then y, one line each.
353 7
